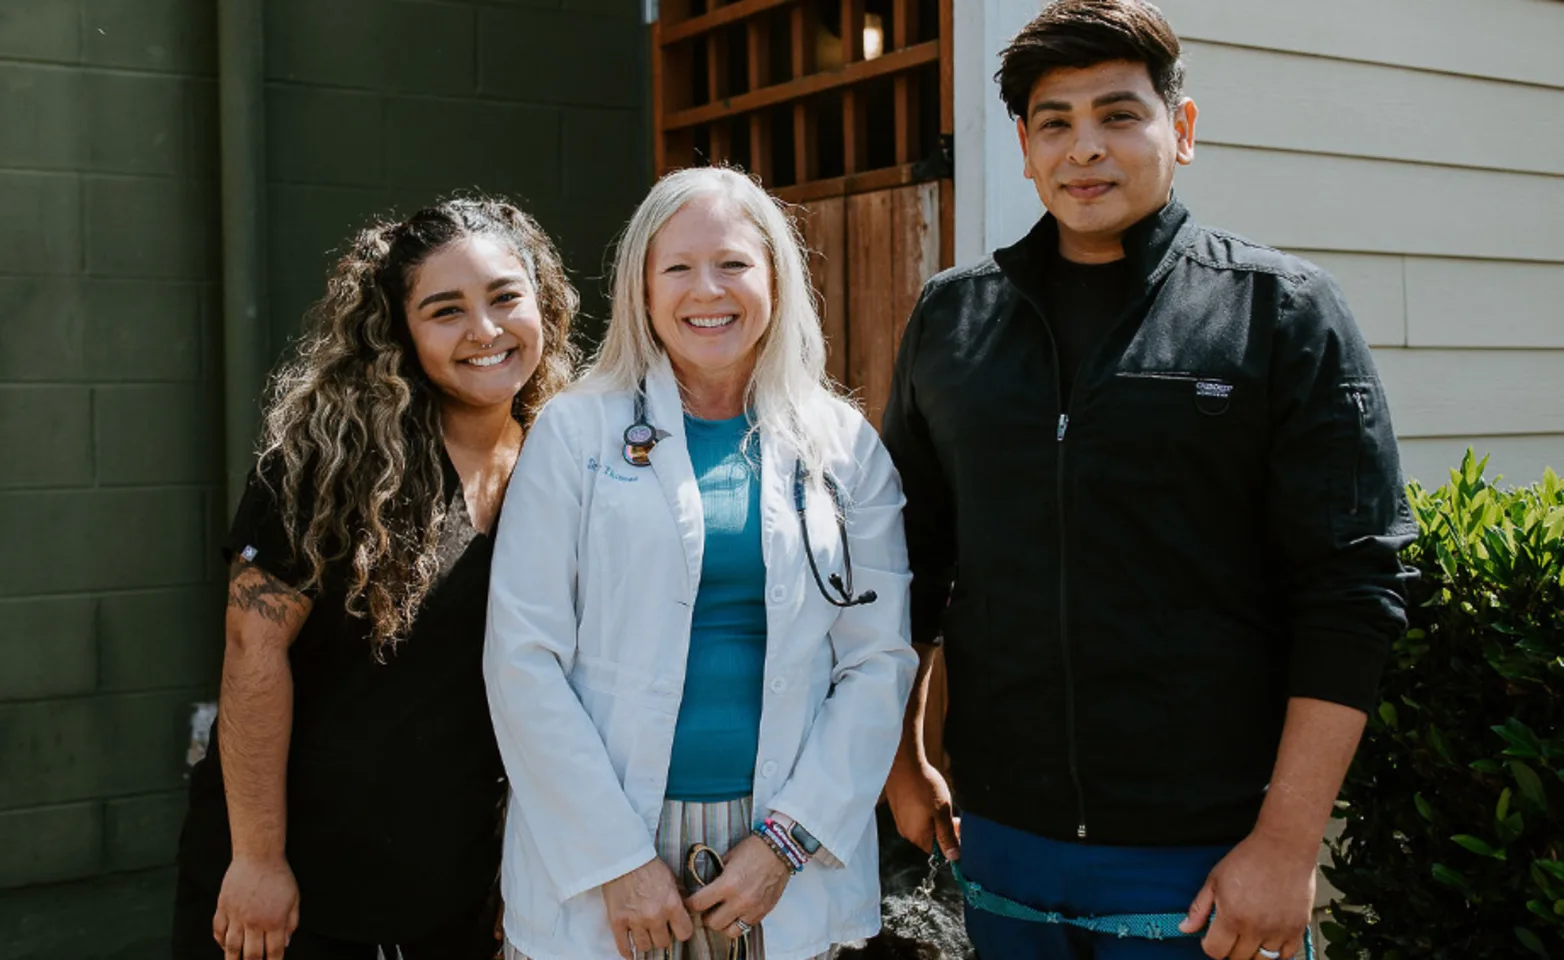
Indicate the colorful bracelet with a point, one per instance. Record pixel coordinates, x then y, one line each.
779 829
781 844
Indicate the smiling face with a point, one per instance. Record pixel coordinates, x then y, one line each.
1100 147
475 323
708 289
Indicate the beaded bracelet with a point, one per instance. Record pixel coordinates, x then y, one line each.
780 830
772 833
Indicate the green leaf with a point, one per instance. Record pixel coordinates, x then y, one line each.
1510 829
1333 931
1540 909
1490 767
1531 941
1503 809
1522 741
1478 846
1470 468
1423 808
1387 713
1552 867
1451 878
1530 785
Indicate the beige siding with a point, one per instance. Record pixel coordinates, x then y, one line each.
1415 149
1325 202
1504 39
1371 110
1517 459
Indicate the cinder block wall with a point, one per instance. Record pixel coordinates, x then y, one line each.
109 460
110 399
387 104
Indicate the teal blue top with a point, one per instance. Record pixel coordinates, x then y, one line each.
718 733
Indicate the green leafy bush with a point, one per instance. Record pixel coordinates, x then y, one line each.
1453 845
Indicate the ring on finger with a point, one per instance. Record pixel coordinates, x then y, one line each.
744 928
1268 954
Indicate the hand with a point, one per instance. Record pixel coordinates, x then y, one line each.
1263 894
257 909
753 878
920 804
645 910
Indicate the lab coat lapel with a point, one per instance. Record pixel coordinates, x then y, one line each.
671 463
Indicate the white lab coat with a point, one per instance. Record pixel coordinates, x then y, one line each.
596 567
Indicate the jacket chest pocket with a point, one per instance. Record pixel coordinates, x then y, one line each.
1188 404
1181 422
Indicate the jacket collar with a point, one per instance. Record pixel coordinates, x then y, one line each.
1147 245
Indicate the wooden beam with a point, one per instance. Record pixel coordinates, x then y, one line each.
903 30
855 114
757 35
848 185
659 139
807 85
672 12
947 67
716 90
904 23
721 16
806 155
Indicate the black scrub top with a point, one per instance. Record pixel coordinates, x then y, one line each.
395 783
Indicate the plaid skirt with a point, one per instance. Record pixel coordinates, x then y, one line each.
719 826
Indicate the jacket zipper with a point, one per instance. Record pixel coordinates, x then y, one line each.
1357 446
1067 403
1064 625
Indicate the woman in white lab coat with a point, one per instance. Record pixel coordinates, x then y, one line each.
697 627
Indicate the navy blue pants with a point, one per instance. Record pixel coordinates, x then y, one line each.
1077 879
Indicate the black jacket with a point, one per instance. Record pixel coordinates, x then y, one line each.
1140 575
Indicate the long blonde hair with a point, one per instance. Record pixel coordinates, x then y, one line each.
353 429
789 381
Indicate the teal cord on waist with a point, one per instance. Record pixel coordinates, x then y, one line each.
1144 926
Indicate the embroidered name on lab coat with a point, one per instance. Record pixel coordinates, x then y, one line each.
607 470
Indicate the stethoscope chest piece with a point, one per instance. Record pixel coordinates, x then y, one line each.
640 436
638 455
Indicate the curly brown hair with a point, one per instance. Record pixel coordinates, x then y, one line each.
353 424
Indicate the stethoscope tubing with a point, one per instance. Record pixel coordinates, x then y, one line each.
639 439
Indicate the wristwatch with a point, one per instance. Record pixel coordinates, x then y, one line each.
806 841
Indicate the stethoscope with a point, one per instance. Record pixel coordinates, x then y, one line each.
640 437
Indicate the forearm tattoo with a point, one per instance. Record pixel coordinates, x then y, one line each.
254 590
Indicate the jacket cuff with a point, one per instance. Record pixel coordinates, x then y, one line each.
577 885
1338 667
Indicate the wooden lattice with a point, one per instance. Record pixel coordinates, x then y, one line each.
788 90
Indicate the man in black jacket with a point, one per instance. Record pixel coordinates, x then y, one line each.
1154 507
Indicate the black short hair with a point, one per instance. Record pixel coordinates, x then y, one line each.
1084 33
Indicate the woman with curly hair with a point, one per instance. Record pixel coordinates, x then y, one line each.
349 802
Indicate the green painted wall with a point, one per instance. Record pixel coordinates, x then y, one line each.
110 421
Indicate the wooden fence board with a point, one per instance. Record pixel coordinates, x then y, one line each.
824 228
871 319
